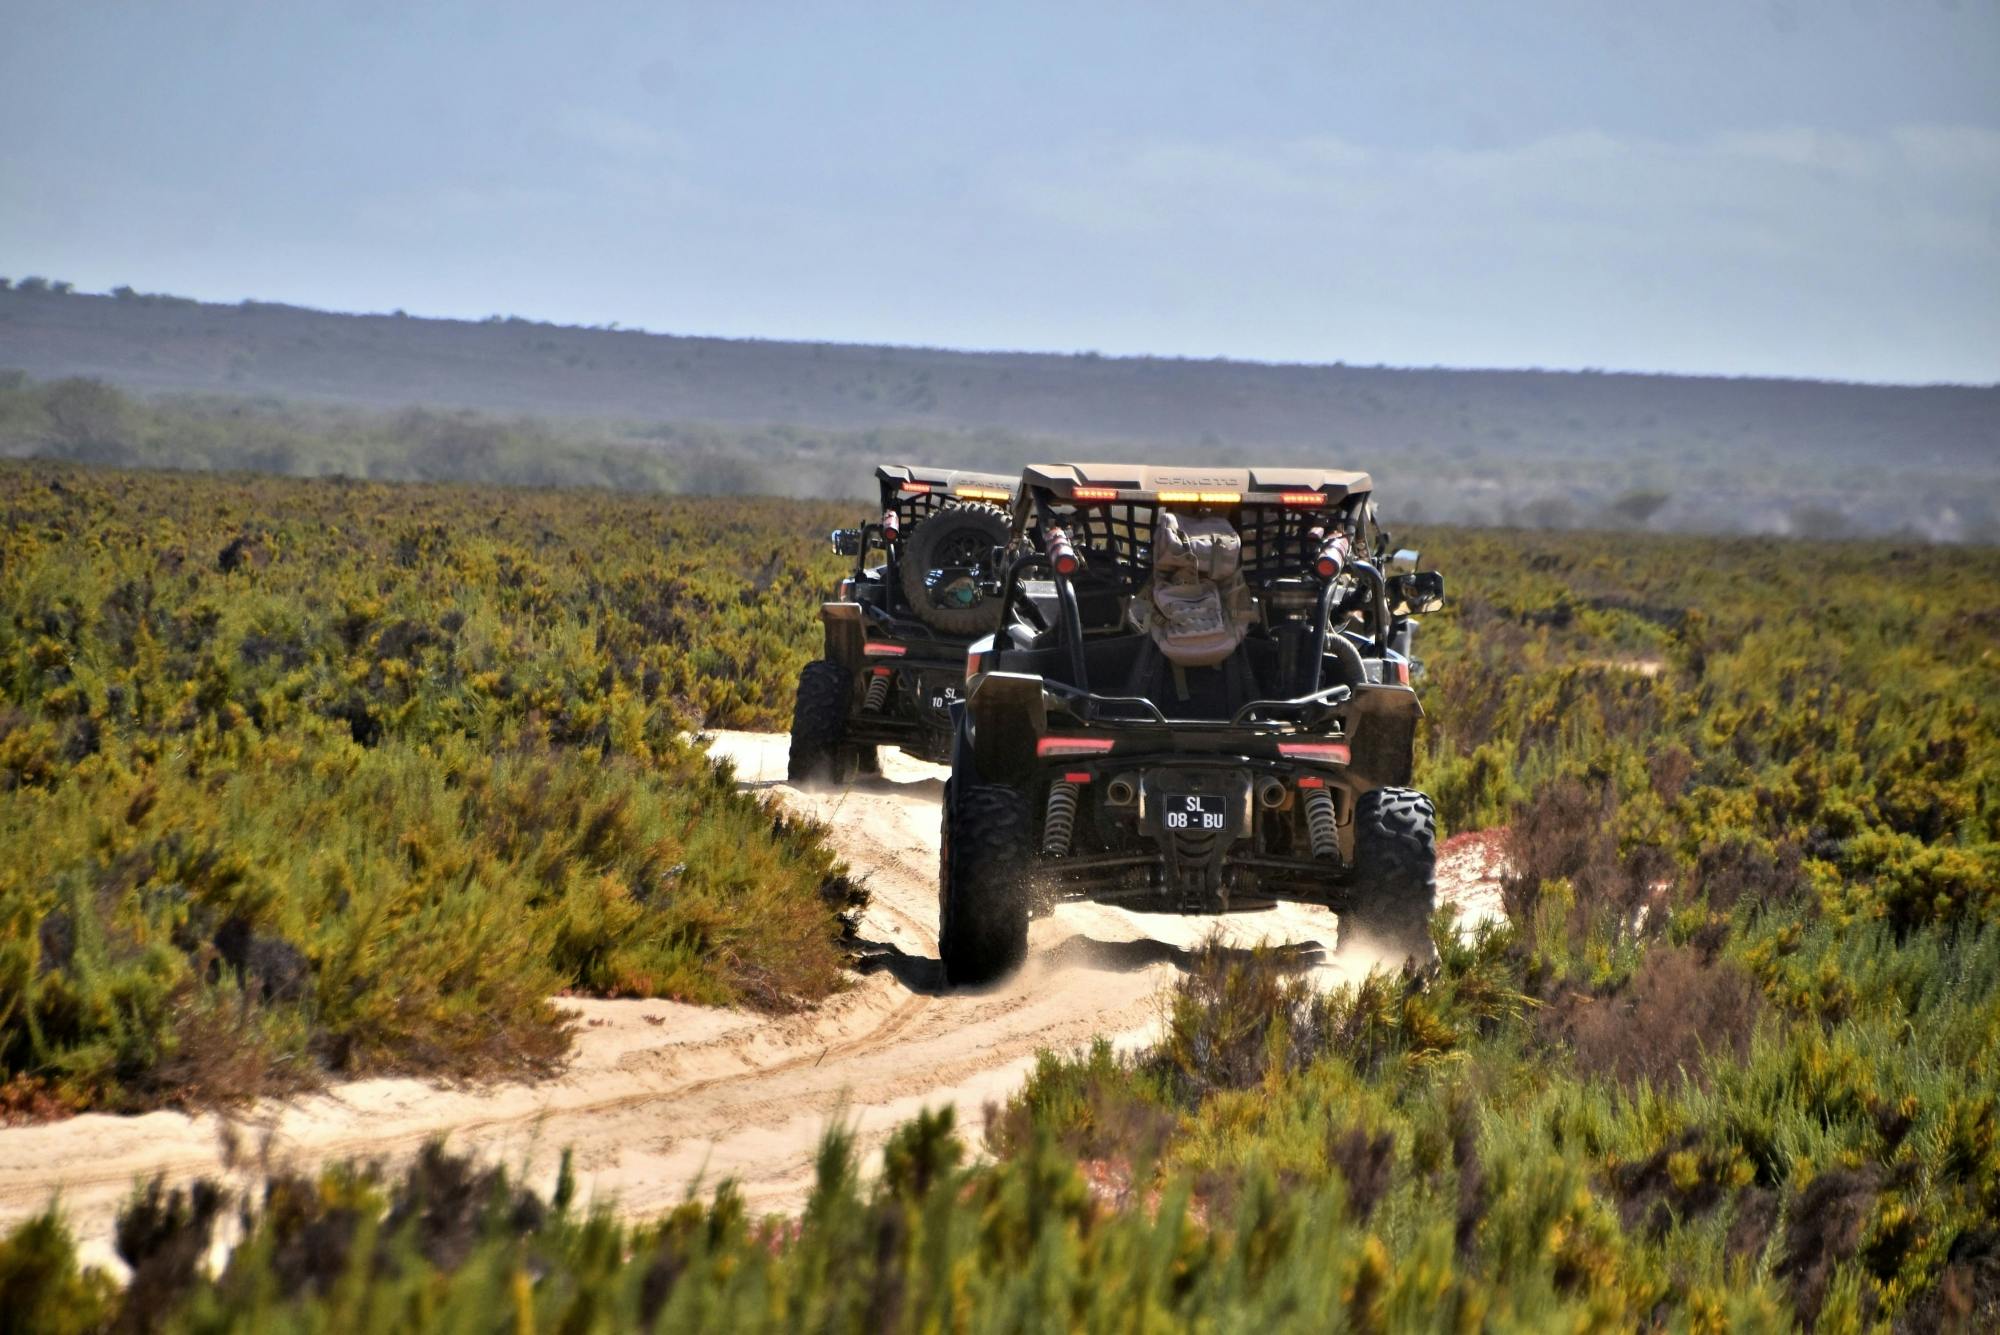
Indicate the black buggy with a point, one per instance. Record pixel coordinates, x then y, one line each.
897 627
1198 698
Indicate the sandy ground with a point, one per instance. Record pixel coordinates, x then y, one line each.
661 1099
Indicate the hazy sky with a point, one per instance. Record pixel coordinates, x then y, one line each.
1708 185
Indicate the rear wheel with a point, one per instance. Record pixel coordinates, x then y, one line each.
820 753
983 883
1395 877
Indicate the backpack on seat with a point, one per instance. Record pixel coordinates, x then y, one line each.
1196 607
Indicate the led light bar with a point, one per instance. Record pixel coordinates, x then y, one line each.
1203 497
983 493
1303 498
1073 746
1095 493
884 650
914 488
1332 753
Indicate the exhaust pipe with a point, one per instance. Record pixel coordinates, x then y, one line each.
1270 792
1120 793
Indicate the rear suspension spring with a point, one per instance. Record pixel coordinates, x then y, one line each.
878 692
1059 821
1320 823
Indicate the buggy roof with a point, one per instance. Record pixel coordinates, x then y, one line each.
1170 483
956 481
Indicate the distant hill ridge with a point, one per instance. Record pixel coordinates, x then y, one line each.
565 406
512 365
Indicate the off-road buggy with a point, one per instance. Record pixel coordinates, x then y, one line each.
1198 698
921 590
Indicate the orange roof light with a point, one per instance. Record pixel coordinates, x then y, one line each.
915 488
1096 493
983 493
1203 497
1300 498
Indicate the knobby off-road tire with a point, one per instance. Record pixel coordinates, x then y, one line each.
984 862
1395 876
820 753
958 535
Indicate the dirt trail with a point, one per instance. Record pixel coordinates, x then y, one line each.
659 1096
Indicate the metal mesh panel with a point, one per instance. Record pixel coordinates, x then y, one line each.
1277 540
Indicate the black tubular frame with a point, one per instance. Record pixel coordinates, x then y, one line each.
1113 530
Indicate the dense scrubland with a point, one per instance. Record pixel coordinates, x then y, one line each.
334 778
1732 1062
609 406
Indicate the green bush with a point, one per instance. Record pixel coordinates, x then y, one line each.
309 778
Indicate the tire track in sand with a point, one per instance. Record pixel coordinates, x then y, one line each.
660 1098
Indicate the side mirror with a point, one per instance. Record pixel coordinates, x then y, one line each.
1416 592
1404 562
846 541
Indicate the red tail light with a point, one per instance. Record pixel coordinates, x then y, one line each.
1073 746
1301 498
915 488
883 650
1331 753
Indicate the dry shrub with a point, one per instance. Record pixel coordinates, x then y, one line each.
1751 1226
27 1099
1568 831
1089 1105
222 1054
1742 868
1366 1164
164 1235
1235 1015
1966 1297
1683 1179
1472 1193
1680 1006
1824 1228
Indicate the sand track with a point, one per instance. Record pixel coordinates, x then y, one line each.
660 1097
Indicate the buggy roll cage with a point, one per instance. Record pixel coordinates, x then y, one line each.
910 495
1296 525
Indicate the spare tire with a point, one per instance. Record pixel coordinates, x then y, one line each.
959 535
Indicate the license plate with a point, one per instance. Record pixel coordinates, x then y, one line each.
1195 811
